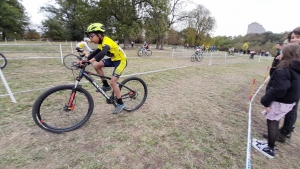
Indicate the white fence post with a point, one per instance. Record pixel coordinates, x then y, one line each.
62 61
71 47
7 87
210 58
259 58
173 53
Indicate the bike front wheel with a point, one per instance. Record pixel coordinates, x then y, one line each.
70 60
133 93
140 53
62 108
193 58
199 58
3 61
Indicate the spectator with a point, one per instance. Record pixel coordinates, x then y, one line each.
282 94
290 118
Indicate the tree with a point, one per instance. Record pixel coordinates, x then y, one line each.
201 20
54 30
173 37
70 18
13 19
189 35
31 34
125 16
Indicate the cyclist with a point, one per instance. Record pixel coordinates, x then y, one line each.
146 46
117 59
198 51
84 43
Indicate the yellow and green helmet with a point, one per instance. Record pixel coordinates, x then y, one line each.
95 27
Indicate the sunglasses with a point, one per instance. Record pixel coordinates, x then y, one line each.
92 35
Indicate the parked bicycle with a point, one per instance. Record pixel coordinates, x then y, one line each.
197 56
67 107
3 61
144 51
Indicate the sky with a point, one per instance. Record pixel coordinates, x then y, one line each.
232 16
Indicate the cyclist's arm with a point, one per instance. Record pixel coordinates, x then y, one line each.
94 53
100 55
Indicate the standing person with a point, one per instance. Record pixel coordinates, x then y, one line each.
84 43
275 62
290 118
281 95
117 59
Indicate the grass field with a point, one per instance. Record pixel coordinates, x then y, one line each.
195 116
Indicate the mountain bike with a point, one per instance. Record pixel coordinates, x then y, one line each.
3 61
67 107
197 56
144 51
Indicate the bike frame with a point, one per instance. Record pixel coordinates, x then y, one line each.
87 75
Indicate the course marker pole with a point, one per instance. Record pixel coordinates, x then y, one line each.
49 42
266 73
7 87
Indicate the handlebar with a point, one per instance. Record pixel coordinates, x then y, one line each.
80 66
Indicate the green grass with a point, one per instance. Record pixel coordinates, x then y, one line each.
194 117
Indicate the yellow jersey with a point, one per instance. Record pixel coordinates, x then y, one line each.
115 51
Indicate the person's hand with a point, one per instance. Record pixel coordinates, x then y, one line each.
279 57
85 62
267 109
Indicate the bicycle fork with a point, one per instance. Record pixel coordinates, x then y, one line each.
71 105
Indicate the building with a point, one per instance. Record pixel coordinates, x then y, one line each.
255 27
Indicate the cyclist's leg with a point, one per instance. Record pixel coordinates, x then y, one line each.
98 68
119 68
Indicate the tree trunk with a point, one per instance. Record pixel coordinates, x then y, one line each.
162 41
157 43
3 35
126 41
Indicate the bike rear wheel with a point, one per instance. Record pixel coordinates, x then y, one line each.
148 52
70 60
193 58
133 92
3 61
62 109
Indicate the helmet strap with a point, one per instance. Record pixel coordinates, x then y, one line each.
100 38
